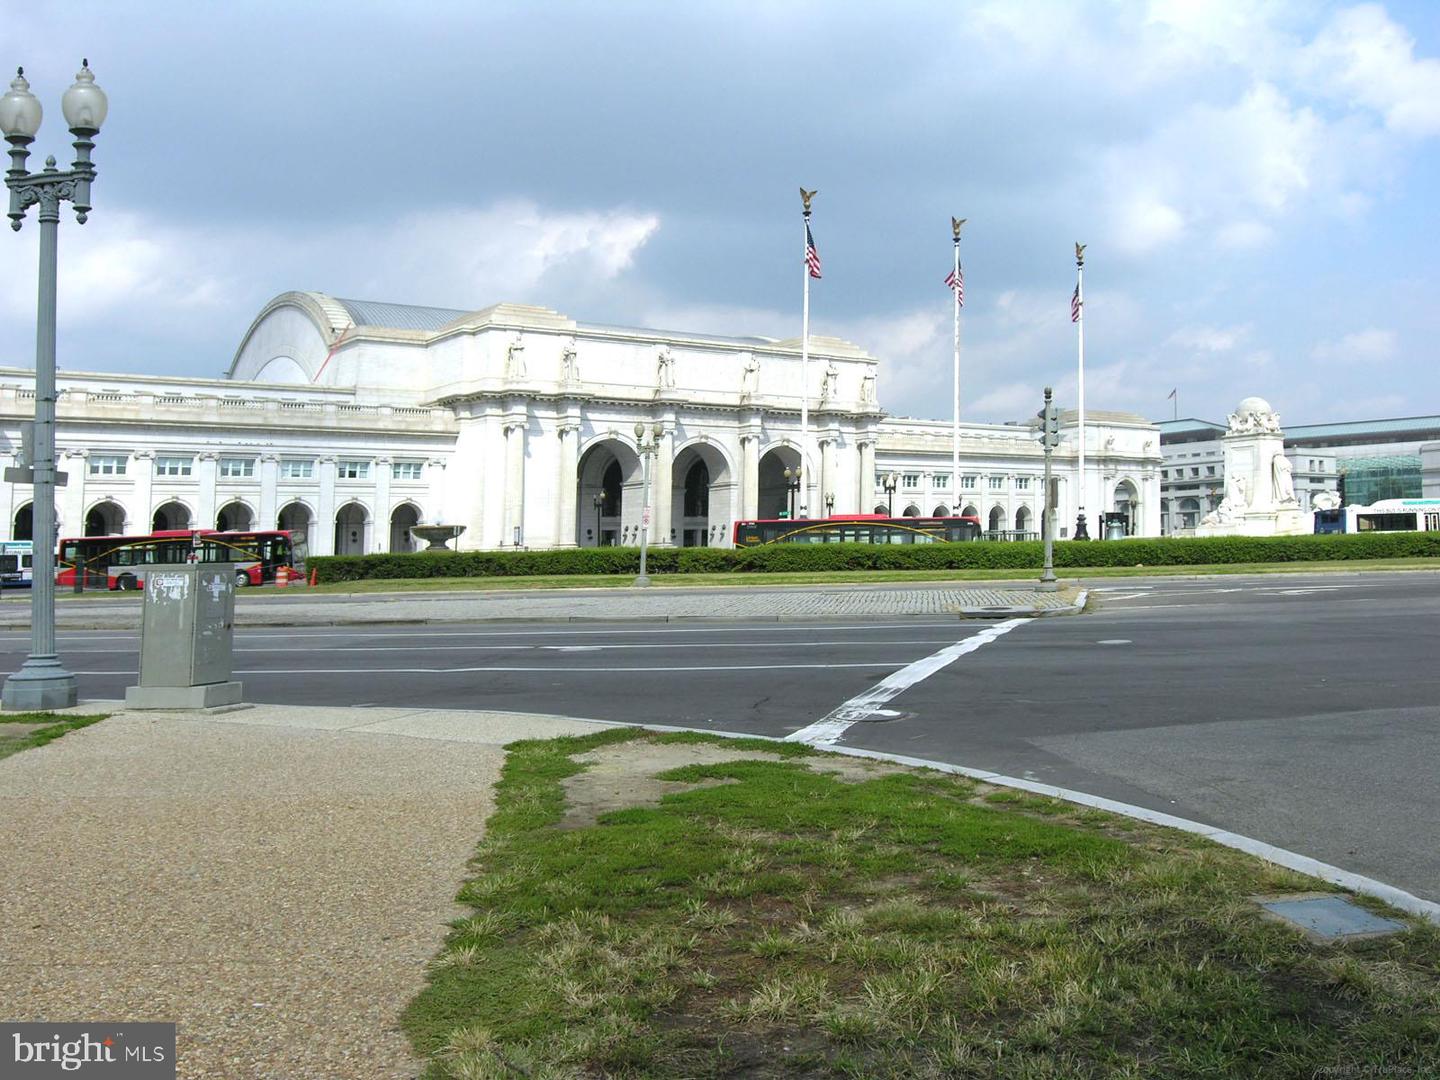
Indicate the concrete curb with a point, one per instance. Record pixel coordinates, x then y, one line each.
256 619
1291 860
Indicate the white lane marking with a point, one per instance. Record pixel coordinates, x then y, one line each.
609 669
419 631
1115 641
320 650
829 728
1130 596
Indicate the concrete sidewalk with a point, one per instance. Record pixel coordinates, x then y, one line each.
272 879
758 602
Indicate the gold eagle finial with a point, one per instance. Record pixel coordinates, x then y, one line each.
955 223
1080 253
806 196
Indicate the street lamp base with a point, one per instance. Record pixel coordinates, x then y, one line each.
641 582
40 685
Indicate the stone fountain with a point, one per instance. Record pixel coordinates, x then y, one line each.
436 535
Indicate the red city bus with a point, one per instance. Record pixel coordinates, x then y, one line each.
857 529
121 562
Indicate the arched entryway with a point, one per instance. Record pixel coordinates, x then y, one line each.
911 511
1127 503
971 511
351 524
775 498
105 519
703 496
24 526
881 510
170 516
1023 523
940 511
402 519
234 517
295 519
997 522
607 502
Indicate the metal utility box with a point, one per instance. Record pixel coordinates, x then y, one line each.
187 639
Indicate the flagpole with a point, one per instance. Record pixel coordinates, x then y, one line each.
805 359
955 224
1081 532
1176 397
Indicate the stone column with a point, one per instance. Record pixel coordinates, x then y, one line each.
8 499
749 476
73 498
566 522
514 517
322 532
207 470
268 512
437 512
380 535
865 485
142 466
662 487
827 474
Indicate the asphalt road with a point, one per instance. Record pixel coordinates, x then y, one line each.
1300 710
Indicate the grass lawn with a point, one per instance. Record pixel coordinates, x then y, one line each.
52 728
856 577
763 918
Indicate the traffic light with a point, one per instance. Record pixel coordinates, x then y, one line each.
1049 425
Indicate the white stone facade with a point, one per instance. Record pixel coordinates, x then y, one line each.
356 420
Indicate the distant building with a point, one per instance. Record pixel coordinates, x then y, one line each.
1369 459
353 421
1430 471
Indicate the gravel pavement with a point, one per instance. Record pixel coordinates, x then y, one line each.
272 879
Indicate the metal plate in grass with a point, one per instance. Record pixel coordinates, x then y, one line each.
1328 918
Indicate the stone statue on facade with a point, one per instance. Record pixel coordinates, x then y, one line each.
515 360
750 377
665 369
569 368
867 387
830 382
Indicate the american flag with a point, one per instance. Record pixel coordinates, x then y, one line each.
1075 305
812 257
956 281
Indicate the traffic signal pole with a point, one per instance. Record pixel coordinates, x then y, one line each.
1049 439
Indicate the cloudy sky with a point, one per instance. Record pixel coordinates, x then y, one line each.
1257 183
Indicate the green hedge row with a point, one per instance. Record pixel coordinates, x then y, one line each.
778 558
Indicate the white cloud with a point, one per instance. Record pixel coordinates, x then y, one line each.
1364 58
1362 346
124 270
1207 339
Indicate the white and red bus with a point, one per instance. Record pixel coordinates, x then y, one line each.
857 529
122 562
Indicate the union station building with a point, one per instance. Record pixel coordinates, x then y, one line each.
354 421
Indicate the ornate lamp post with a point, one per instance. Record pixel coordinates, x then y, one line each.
890 482
830 505
599 502
792 485
647 451
42 681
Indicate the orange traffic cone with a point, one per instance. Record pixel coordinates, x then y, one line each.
314 576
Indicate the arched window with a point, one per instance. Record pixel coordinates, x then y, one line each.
24 522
